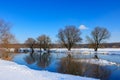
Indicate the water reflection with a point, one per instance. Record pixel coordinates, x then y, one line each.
42 60
29 59
69 66
97 71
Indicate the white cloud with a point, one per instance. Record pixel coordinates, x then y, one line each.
82 27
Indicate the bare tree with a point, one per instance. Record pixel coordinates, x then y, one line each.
30 42
44 42
98 35
69 36
39 42
6 37
4 28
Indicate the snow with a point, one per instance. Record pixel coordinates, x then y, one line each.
96 61
113 51
12 71
88 49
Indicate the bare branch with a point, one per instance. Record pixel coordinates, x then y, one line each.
98 35
69 36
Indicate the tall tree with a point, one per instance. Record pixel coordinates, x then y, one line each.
44 42
39 42
30 42
6 37
98 35
69 36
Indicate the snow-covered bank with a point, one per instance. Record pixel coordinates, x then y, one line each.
79 50
89 50
96 61
12 71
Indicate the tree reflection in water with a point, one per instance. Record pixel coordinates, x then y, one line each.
30 59
97 71
42 60
69 66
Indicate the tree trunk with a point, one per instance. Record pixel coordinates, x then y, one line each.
32 50
40 49
45 49
96 56
69 49
96 49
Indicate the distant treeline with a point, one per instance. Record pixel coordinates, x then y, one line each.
104 45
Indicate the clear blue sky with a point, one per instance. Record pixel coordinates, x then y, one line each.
31 18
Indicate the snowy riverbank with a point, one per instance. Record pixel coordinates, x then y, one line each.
12 71
89 50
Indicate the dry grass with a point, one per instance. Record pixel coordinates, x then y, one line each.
5 55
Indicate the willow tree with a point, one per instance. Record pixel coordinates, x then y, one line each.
69 36
6 37
98 36
30 42
44 42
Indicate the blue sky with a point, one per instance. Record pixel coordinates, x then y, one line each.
31 18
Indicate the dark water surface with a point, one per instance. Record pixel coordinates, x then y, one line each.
63 63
